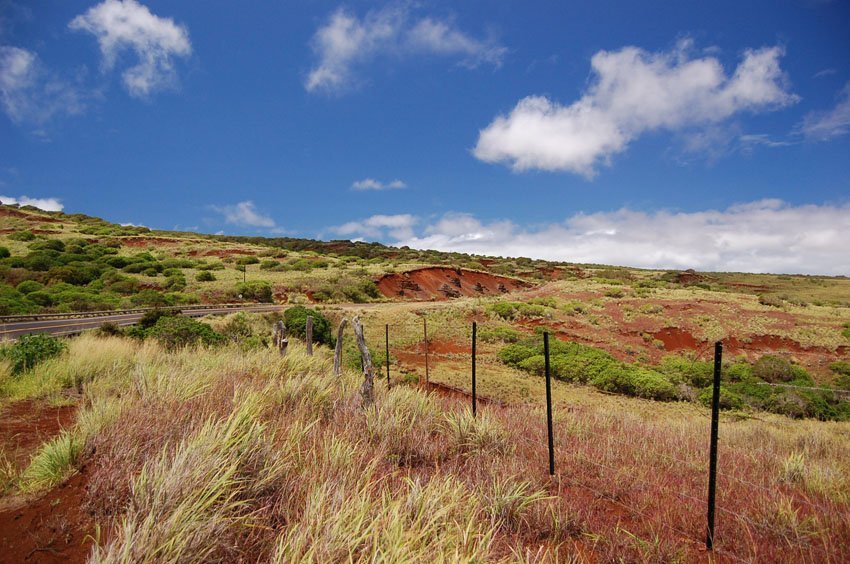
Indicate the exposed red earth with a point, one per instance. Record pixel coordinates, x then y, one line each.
54 527
440 283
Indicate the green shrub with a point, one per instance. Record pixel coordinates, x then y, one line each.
269 264
842 371
205 276
846 331
694 372
295 319
22 236
178 331
498 334
29 286
243 261
31 349
728 398
635 381
4 253
505 310
772 368
257 290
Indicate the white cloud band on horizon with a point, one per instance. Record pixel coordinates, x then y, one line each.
120 25
762 236
346 41
632 92
46 204
398 226
372 184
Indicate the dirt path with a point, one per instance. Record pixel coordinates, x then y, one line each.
26 425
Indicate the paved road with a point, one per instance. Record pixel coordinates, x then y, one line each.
71 326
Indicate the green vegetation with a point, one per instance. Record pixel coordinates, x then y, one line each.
295 319
29 350
745 385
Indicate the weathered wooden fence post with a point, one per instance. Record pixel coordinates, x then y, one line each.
279 337
338 348
367 390
309 335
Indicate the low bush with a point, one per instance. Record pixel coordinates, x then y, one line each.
295 319
257 290
205 276
177 331
30 350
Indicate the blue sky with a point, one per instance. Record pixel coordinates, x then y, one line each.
658 134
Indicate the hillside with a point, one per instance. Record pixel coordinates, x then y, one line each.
103 431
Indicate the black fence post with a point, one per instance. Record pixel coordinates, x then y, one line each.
425 331
387 333
474 395
549 406
712 457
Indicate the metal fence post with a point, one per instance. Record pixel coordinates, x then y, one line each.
712 457
549 405
474 395
425 329
387 328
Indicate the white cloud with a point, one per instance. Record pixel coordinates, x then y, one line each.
346 41
632 92
119 25
372 184
823 126
245 214
379 226
46 204
29 92
762 236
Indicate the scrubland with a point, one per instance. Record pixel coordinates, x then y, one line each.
235 453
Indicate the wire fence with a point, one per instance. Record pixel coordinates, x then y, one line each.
710 492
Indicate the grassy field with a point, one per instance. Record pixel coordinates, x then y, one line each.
234 453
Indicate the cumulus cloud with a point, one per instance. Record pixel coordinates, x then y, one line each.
762 236
379 226
823 126
29 93
46 204
372 184
245 214
346 41
121 25
632 92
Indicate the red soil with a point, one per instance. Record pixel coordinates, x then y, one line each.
221 253
35 231
54 527
439 283
26 425
12 212
147 241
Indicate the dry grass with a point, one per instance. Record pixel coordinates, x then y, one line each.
232 454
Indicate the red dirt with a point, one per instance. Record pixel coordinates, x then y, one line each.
53 528
34 231
147 241
11 212
439 283
676 339
26 425
221 253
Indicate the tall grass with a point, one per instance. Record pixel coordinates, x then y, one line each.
236 454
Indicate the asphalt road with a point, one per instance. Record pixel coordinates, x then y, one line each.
10 331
